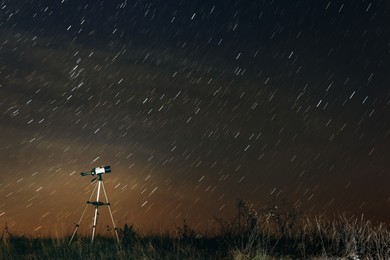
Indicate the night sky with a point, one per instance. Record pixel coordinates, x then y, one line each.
194 104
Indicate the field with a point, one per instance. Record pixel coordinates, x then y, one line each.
250 235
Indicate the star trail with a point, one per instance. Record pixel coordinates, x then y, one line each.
194 105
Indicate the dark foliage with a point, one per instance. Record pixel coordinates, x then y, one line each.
251 234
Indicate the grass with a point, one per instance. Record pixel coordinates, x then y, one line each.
271 234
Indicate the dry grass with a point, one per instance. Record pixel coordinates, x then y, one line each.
282 233
266 234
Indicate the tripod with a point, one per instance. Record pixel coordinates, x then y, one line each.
97 204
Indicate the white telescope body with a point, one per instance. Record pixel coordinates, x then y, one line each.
97 171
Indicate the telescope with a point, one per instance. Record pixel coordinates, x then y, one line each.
97 171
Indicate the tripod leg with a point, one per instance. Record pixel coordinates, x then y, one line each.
96 211
109 209
82 215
